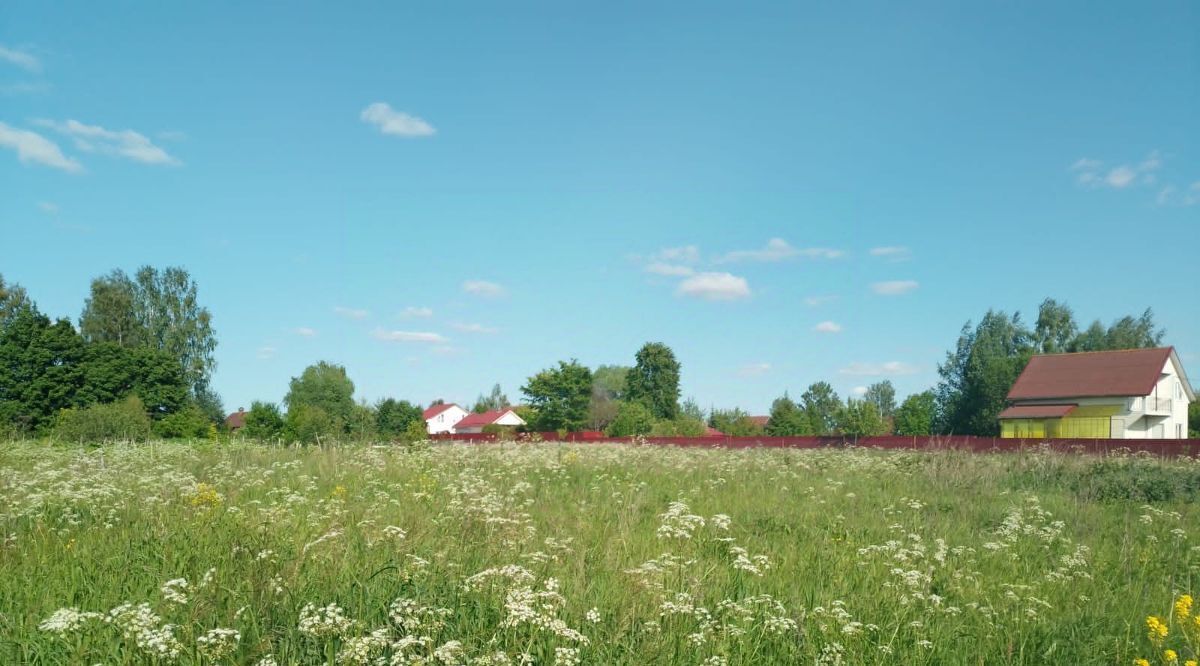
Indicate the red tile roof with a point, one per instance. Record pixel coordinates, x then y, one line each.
1037 411
236 420
479 420
1108 373
437 409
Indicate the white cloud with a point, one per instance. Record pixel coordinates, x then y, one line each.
893 252
859 391
411 312
121 143
395 123
778 249
894 287
828 327
33 147
474 328
306 332
21 59
754 370
671 270
891 368
814 301
685 254
408 336
715 287
265 352
1120 177
1092 172
351 313
483 288
48 207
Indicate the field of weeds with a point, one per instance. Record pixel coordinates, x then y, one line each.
592 554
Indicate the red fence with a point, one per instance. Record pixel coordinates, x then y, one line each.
1160 447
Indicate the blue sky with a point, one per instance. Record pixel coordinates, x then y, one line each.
443 196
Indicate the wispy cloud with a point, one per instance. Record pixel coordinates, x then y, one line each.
894 287
22 59
686 254
32 147
25 88
1171 195
670 270
265 353
411 312
715 287
859 391
822 299
483 288
408 336
1094 173
891 368
828 327
777 249
395 123
754 370
127 144
474 328
892 252
306 332
351 313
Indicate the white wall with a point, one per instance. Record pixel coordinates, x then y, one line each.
445 421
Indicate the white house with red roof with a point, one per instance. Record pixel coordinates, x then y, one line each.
442 418
499 417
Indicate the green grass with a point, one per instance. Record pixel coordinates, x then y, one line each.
864 556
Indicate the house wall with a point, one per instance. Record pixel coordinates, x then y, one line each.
445 421
510 419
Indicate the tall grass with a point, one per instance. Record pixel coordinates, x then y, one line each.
595 554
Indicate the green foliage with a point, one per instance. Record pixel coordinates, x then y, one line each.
502 431
159 309
734 422
684 426
415 431
859 418
187 423
608 387
309 423
654 380
1110 480
821 406
118 421
13 299
110 372
1194 419
491 402
326 387
560 396
787 419
1125 333
916 414
361 425
633 418
264 421
393 417
1055 330
883 396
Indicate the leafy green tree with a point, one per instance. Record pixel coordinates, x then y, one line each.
1055 330
978 374
821 406
916 414
1125 333
654 380
491 402
361 425
560 396
859 418
324 386
608 387
883 396
787 419
416 431
393 417
13 299
684 426
734 422
111 372
124 421
310 423
633 418
156 308
691 409
187 423
1194 419
41 369
264 421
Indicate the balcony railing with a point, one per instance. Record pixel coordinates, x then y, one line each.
1157 405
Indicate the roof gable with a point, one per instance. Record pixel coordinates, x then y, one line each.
486 418
1128 372
438 409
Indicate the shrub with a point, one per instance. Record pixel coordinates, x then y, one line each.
501 431
124 420
306 423
188 423
1136 480
633 418
263 421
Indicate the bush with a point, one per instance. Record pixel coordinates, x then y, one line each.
501 431
188 423
1135 480
263 421
125 420
415 432
633 418
684 426
306 423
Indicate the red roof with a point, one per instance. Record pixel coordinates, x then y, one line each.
480 420
1107 373
434 410
236 420
760 421
1037 411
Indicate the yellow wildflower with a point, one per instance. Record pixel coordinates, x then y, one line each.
1170 656
1141 662
205 495
1190 662
338 492
1156 629
1183 607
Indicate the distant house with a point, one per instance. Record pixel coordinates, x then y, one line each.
760 421
443 418
1127 394
500 417
236 421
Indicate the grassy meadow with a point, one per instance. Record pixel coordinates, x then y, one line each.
591 554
